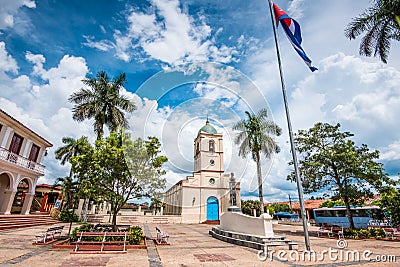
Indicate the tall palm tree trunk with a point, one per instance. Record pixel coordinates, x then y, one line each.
259 179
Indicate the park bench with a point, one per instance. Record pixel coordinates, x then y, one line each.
324 230
392 233
338 231
162 237
160 220
104 244
49 235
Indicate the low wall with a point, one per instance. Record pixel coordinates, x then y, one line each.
133 219
140 219
241 223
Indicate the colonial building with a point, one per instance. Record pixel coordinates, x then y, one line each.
21 154
204 195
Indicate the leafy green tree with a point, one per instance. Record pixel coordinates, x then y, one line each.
331 203
254 138
120 169
156 203
331 162
280 207
72 147
248 207
103 102
381 24
390 203
269 209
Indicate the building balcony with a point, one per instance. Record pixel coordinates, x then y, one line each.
6 155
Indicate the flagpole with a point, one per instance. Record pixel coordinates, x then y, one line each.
293 148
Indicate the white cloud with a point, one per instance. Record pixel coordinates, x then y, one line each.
103 45
391 152
7 62
37 61
168 34
44 107
295 9
9 8
362 96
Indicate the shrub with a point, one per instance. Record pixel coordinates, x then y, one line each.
134 238
377 232
350 233
136 235
363 233
68 216
85 227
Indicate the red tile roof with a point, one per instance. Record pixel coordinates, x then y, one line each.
309 204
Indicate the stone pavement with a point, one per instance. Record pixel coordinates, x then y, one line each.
190 245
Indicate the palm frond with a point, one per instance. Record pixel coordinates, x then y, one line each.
380 26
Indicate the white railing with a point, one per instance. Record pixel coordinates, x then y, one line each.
379 223
20 161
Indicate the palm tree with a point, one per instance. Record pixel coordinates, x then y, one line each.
72 148
67 184
103 102
254 137
381 23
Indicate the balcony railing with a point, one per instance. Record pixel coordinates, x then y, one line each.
21 161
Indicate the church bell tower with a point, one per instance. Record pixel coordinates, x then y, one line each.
208 150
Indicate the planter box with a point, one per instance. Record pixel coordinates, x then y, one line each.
66 245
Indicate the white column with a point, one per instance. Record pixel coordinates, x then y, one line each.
6 137
268 230
8 198
42 152
27 147
26 207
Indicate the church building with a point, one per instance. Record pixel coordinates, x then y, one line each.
205 195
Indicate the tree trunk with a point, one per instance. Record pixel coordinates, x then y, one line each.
259 178
69 194
114 221
85 210
348 212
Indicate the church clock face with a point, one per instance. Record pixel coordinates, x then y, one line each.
212 181
212 162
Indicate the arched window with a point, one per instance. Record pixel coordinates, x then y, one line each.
211 146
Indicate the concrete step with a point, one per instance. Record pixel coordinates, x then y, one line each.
251 241
19 221
214 222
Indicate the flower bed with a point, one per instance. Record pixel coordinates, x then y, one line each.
135 239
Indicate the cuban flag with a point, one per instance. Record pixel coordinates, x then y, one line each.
292 30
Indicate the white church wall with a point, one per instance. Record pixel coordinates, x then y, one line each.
173 200
191 202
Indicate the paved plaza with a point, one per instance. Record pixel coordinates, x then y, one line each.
190 245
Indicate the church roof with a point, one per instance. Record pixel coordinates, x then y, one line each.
208 128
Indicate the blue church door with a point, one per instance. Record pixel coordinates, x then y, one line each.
212 208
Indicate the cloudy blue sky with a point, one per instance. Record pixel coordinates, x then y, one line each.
185 60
